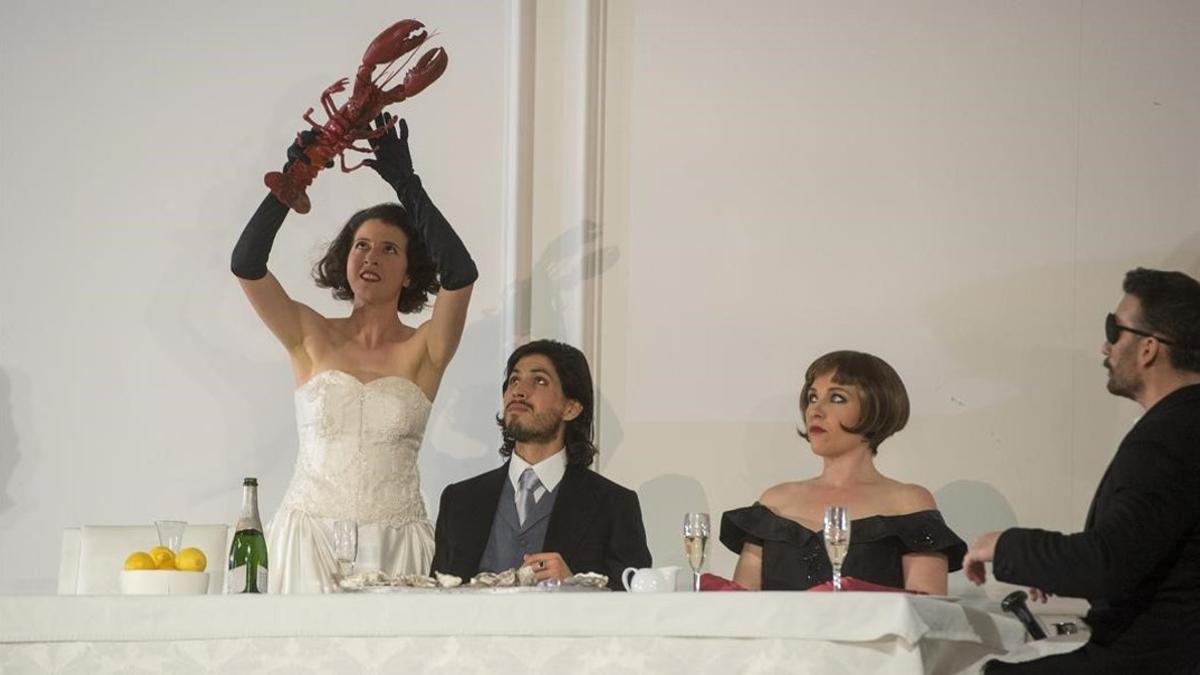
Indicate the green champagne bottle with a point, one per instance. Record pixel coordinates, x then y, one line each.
248 554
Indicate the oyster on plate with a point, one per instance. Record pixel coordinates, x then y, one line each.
587 579
447 580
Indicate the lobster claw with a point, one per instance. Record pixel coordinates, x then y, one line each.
395 41
429 68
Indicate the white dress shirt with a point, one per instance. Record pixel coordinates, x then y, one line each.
549 471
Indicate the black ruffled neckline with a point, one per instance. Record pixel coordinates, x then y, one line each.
924 531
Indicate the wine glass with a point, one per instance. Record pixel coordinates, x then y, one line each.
345 545
170 533
837 540
695 543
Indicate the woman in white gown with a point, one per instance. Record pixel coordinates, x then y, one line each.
365 382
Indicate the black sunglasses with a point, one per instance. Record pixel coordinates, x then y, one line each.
1112 331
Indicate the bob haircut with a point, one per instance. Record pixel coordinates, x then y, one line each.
330 271
571 367
885 405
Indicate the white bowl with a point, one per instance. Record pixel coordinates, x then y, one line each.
163 582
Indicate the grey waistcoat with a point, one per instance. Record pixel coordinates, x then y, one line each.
509 542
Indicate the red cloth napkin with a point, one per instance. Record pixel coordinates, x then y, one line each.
712 582
852 584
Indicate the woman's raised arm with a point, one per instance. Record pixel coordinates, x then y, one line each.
456 270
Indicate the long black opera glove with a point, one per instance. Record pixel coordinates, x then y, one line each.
250 255
249 260
393 163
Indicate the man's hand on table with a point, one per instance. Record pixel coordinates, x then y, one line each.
982 551
548 566
1038 595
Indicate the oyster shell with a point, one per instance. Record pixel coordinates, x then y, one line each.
526 576
447 580
417 581
370 579
505 579
591 579
350 583
484 580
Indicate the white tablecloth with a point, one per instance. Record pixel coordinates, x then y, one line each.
490 633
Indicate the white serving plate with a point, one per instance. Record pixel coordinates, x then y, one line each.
499 590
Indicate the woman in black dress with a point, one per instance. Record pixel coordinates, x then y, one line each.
851 403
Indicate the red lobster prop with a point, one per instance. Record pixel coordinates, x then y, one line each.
351 122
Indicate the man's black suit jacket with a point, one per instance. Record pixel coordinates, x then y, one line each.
1138 557
596 525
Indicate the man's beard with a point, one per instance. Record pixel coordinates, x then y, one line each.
542 428
1120 384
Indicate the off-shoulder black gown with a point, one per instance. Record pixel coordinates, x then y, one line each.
794 557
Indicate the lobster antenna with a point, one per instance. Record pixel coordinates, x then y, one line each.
380 81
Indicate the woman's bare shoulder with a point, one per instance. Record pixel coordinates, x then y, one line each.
784 493
910 497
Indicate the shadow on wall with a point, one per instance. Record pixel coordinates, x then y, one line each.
972 508
16 450
466 414
565 264
8 441
573 258
664 500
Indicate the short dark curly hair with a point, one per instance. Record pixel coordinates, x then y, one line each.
885 406
330 270
571 366
1170 307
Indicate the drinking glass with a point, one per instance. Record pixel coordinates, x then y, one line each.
345 545
170 533
837 540
695 543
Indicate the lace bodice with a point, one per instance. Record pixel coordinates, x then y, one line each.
358 449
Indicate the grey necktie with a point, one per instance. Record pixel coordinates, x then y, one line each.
528 484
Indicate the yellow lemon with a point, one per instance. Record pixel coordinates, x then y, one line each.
191 560
163 558
139 560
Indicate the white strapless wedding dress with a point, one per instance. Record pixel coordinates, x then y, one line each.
357 461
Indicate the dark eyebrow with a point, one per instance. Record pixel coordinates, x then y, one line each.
382 241
532 370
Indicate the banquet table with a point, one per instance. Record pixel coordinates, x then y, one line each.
497 632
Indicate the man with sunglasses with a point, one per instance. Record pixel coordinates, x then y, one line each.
1138 558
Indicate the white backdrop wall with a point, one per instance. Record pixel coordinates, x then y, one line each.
956 187
135 380
706 199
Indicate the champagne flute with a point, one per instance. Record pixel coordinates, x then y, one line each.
695 543
345 545
837 540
